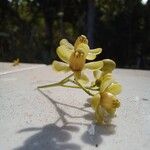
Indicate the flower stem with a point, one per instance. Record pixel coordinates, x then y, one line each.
90 88
83 88
49 85
66 79
77 87
58 83
70 86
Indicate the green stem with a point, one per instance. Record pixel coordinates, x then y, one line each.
49 85
77 87
66 79
70 86
58 83
90 88
83 88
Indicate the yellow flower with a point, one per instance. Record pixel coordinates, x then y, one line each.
74 57
106 82
105 102
105 105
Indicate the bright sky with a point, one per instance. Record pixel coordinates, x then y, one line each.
144 1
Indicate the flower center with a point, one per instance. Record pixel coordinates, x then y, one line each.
77 61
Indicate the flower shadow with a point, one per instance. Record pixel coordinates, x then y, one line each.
96 138
48 137
100 130
55 137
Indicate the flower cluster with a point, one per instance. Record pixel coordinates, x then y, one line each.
105 101
104 89
74 57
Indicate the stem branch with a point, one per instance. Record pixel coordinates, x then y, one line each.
58 83
83 88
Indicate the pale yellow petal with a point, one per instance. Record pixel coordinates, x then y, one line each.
60 66
105 82
95 51
94 65
109 102
97 74
66 43
92 53
64 53
81 78
79 40
91 56
95 101
93 83
100 115
83 48
114 88
109 65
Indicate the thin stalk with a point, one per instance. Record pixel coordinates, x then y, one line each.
66 79
70 86
58 83
77 87
83 88
49 85
90 88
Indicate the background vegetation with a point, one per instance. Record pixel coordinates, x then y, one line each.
31 29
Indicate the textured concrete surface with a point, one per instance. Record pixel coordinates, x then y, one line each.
6 67
59 120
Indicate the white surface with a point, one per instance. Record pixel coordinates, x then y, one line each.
60 120
6 67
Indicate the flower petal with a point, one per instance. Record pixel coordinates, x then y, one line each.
83 48
95 101
64 53
109 65
114 88
109 102
94 65
97 74
81 78
60 66
100 115
95 51
79 40
66 43
91 56
105 82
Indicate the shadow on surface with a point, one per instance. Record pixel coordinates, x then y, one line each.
50 137
62 113
100 131
54 137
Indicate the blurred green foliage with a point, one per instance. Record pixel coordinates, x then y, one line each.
31 29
